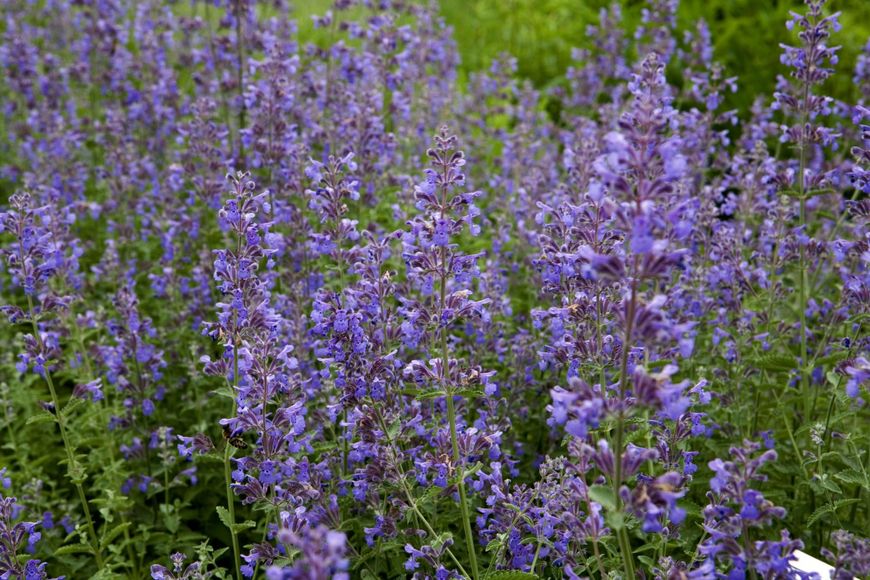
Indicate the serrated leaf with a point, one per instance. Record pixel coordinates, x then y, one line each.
224 516
441 539
211 457
831 486
856 465
470 393
104 574
72 405
41 417
853 477
831 358
511 575
112 534
829 509
775 362
691 508
73 549
246 525
225 392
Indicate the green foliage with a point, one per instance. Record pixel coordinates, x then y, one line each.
541 34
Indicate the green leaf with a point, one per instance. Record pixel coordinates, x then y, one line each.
72 405
853 477
41 417
429 394
226 392
691 508
211 457
495 544
829 509
248 524
831 486
224 516
603 495
73 549
511 575
442 539
470 393
616 520
170 518
110 536
776 362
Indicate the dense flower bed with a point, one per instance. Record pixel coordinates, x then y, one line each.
287 304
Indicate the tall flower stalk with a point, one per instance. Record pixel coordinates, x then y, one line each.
235 270
33 259
434 260
810 67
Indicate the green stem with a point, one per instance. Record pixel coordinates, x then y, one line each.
463 500
229 449
746 548
537 553
429 527
228 454
408 495
622 534
231 508
448 393
70 455
802 286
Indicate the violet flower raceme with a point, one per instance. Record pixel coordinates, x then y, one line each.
604 67
322 555
851 558
736 510
34 259
179 570
639 183
417 379
544 522
13 538
268 398
810 64
243 318
133 365
443 274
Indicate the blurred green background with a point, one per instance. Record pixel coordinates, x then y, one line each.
541 33
746 35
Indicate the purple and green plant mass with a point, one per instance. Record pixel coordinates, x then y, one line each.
293 293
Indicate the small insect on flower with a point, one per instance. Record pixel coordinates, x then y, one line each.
235 440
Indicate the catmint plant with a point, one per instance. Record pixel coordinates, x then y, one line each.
443 275
642 354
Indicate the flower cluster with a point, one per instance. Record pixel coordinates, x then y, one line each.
293 292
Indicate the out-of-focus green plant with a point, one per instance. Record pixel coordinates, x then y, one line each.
541 34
